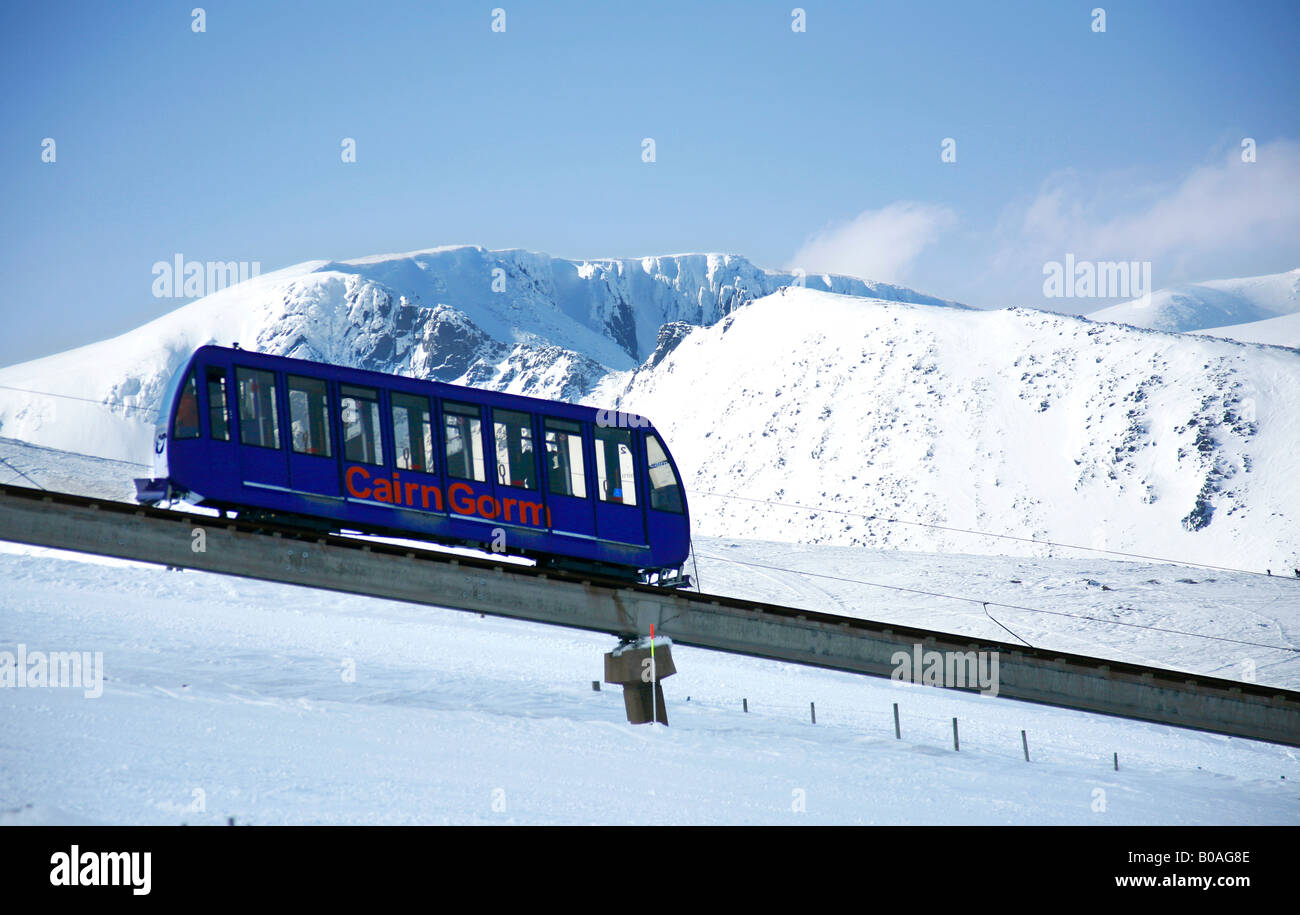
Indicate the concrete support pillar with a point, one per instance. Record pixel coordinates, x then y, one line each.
631 667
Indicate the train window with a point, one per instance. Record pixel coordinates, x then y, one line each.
259 420
615 474
516 458
218 410
186 423
309 406
463 430
665 488
565 473
412 433
361 435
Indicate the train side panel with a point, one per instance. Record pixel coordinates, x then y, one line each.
394 455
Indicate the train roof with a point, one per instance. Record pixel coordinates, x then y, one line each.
557 408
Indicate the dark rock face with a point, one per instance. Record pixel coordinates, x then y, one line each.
450 345
621 327
670 335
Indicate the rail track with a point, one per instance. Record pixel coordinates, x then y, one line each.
307 558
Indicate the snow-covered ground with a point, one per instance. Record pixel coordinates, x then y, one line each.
24 464
1216 623
272 704
227 698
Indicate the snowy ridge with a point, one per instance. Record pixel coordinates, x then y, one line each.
1219 304
1283 330
507 320
1016 422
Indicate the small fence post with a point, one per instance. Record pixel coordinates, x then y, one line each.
898 731
1025 740
745 704
812 706
955 744
1116 760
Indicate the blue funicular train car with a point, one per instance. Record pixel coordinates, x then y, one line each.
306 443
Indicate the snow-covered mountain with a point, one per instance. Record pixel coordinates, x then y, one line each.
508 320
1017 422
1217 304
861 398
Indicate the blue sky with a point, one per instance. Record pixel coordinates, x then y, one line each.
818 149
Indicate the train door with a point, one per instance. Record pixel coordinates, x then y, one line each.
619 516
414 457
516 480
465 460
223 453
362 428
262 459
313 465
567 493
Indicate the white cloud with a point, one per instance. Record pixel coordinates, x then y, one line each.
1224 216
877 244
1229 204
1221 219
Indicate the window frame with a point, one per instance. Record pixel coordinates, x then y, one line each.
462 409
377 416
191 381
275 408
649 476
604 434
327 416
211 374
430 411
582 455
529 426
